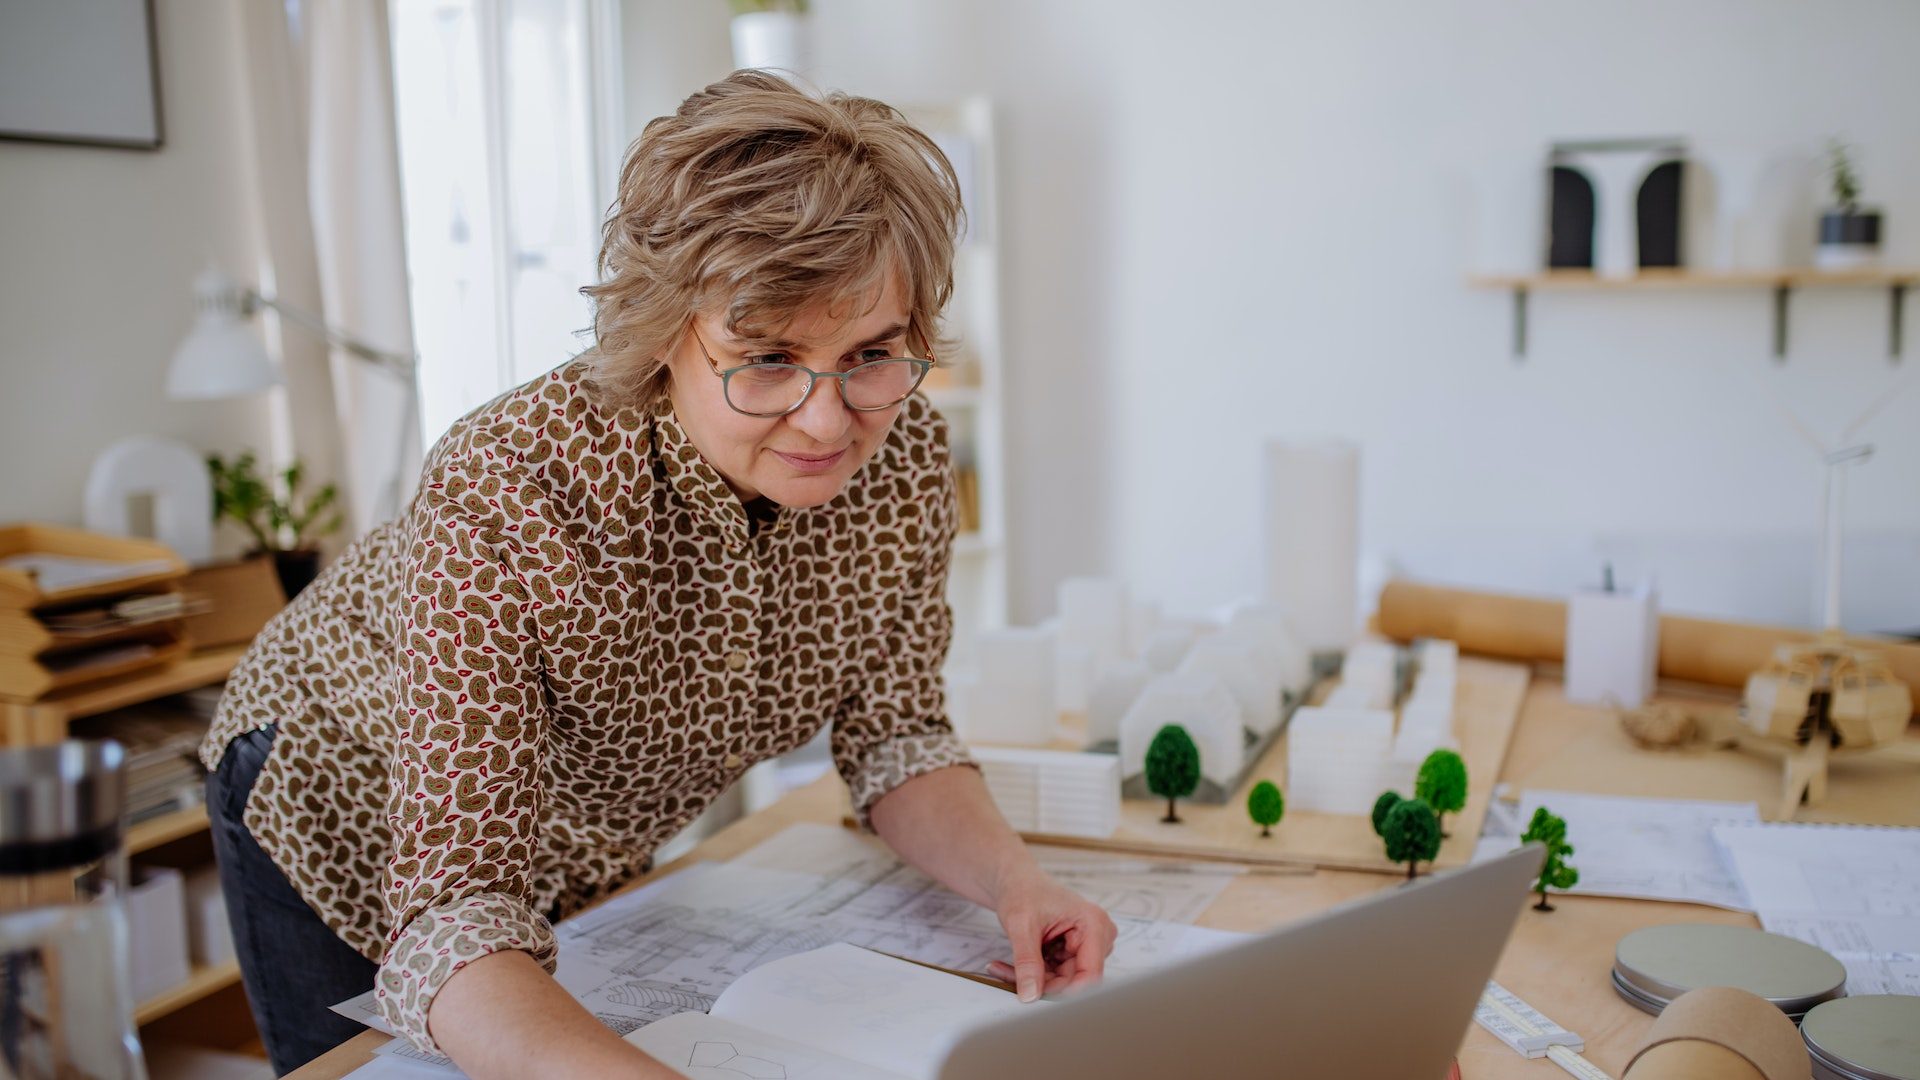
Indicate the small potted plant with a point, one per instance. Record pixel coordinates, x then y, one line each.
771 34
1849 234
287 524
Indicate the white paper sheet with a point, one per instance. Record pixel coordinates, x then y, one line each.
1851 890
1652 849
677 944
884 1013
708 1048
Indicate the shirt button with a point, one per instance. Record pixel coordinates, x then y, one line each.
734 761
737 661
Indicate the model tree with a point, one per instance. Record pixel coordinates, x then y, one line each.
1173 767
1412 833
1551 831
1266 806
1383 806
1443 783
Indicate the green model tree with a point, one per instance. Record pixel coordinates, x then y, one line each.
1383 806
1173 767
1266 806
1412 833
1443 783
1551 831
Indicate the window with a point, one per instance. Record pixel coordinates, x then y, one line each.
510 143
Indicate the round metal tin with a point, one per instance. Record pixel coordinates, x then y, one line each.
1875 1037
1651 967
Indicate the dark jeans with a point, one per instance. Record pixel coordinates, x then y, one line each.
292 965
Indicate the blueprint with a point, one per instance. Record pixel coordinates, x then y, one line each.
1653 849
674 946
1851 890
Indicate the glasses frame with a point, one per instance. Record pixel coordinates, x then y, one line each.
921 367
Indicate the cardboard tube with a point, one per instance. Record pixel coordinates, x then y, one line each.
1691 1059
1751 1029
1534 629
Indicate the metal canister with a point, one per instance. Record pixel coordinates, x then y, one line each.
1872 1037
1651 967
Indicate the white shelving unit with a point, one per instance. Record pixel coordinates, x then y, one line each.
971 396
967 391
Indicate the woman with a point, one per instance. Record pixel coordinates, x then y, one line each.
619 586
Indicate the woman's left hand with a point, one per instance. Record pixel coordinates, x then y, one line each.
1060 939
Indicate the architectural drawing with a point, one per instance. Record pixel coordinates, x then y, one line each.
723 1056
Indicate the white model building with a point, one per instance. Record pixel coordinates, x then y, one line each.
1340 760
1058 792
1074 672
1013 700
1266 625
1365 694
1113 694
1202 705
1613 647
1373 666
1255 685
1094 615
1168 645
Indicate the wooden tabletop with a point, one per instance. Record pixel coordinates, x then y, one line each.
1558 962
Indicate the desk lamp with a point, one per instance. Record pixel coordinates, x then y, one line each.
221 358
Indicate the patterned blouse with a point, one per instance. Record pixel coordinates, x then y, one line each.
491 710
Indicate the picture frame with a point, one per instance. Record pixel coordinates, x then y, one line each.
81 73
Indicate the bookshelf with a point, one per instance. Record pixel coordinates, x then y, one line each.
46 720
971 394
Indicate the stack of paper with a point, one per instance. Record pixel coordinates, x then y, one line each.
1852 890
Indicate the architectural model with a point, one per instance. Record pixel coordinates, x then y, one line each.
1012 701
1202 705
1339 760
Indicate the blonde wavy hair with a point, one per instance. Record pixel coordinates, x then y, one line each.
759 197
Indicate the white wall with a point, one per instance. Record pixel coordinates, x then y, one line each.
98 250
1231 221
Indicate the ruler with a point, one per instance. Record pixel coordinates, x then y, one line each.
1531 1034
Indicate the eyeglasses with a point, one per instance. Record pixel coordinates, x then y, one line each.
767 390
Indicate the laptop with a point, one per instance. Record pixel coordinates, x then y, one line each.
1382 988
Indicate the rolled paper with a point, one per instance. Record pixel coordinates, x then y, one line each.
1720 1033
1534 629
1312 538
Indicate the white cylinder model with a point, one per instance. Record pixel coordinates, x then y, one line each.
772 41
1312 538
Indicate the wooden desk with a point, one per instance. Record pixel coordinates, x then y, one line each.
1557 962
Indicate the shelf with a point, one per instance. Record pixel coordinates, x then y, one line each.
190 673
166 828
1780 282
201 982
1701 279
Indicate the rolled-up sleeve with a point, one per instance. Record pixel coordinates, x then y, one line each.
487 581
894 726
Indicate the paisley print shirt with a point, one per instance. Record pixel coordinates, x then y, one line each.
494 708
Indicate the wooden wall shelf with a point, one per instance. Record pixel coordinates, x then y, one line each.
45 720
201 982
165 829
1780 282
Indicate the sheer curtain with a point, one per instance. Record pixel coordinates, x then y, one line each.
326 210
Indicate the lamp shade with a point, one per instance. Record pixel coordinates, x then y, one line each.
220 357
